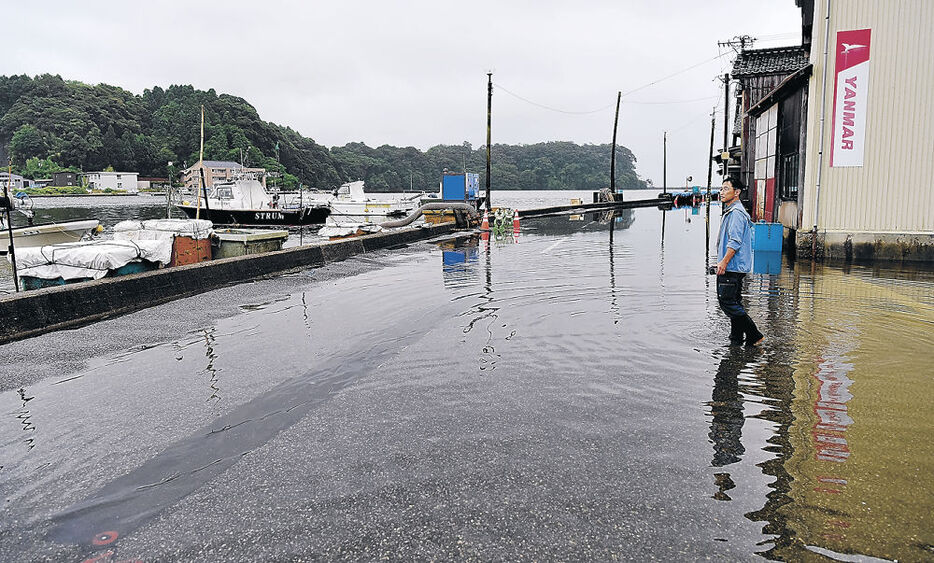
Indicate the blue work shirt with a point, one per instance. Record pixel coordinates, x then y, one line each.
736 233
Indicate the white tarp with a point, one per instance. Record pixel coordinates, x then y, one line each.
158 229
75 260
348 229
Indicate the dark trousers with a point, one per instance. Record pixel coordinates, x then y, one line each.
730 297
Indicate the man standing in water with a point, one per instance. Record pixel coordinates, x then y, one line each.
734 261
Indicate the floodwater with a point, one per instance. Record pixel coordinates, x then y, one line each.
564 394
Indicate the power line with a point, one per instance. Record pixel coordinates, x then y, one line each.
674 74
526 100
604 108
664 103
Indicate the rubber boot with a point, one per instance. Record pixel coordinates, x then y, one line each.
753 336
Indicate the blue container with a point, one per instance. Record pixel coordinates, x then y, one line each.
460 187
767 237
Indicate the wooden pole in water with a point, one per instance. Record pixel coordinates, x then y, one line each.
9 220
619 96
665 162
713 126
489 115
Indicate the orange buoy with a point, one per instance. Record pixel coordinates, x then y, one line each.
515 222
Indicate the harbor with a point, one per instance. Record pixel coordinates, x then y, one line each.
415 283
462 398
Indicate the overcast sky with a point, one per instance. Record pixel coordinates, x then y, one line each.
414 72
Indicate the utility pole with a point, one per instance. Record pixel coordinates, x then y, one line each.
489 114
726 118
665 162
619 96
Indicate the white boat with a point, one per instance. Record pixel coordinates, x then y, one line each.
351 205
46 234
245 201
43 234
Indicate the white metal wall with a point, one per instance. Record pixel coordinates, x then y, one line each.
893 192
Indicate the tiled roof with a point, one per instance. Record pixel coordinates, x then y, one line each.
222 164
777 60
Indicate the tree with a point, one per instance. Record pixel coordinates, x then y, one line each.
27 142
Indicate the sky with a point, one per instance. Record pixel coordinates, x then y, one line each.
414 73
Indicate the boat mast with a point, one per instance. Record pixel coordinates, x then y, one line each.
204 187
9 220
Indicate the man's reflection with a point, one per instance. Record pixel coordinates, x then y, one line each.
726 410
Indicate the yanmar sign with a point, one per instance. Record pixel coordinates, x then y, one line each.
851 92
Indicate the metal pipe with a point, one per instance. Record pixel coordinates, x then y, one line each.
820 150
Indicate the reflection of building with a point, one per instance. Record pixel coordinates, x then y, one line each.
216 171
818 155
115 181
861 464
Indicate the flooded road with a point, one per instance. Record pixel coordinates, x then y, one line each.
564 394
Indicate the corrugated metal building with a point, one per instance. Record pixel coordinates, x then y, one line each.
878 202
839 144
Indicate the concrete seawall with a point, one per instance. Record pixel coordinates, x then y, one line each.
35 312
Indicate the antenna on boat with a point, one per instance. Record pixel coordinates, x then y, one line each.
9 220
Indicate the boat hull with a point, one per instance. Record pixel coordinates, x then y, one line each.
259 217
51 233
368 212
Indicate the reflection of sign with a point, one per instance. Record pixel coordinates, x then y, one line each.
851 89
833 393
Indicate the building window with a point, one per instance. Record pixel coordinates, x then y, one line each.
766 149
789 185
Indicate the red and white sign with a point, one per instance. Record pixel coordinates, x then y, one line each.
851 92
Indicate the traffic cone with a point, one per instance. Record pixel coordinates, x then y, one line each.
485 223
515 222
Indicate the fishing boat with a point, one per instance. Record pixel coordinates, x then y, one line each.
351 205
245 201
42 234
49 233
74 262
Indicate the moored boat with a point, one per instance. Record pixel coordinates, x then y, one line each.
351 205
245 201
48 233
42 234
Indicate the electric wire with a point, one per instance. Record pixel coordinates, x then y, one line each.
643 87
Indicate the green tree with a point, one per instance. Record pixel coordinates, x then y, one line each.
27 142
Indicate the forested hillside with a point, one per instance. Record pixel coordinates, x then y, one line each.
49 124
